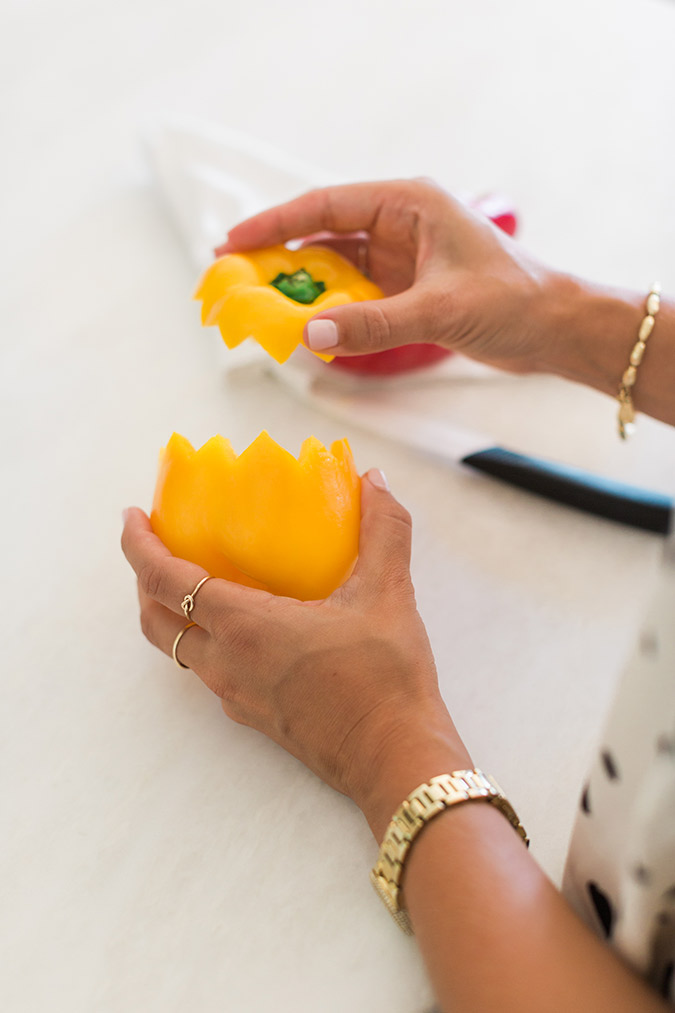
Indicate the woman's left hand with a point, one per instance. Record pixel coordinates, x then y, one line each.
348 684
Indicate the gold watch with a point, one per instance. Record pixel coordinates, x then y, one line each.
416 810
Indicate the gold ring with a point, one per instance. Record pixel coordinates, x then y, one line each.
188 602
177 642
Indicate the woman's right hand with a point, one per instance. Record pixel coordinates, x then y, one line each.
450 277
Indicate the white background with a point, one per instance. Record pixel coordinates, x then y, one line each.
156 858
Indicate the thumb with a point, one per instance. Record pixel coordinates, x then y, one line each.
384 538
362 327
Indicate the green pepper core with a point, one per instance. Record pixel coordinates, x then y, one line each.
299 286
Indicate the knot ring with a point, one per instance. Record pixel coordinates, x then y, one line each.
188 602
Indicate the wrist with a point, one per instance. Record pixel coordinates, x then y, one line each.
587 332
406 757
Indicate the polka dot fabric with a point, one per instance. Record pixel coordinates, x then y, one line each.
620 874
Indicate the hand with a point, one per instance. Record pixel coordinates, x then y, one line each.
449 275
348 685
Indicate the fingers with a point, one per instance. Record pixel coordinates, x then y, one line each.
165 578
415 315
352 247
384 539
161 627
337 209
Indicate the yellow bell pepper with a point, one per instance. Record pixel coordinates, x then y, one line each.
270 294
263 519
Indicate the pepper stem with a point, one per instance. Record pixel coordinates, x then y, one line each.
300 286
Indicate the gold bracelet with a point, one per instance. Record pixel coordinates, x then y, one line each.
625 396
414 813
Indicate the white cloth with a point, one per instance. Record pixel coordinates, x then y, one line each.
620 874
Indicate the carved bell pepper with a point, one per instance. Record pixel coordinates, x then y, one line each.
270 294
263 518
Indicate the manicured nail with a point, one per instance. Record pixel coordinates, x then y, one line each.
378 479
321 334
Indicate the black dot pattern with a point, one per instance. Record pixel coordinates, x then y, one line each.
641 875
603 908
609 765
619 875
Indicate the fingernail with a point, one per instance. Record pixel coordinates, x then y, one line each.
378 478
125 514
321 334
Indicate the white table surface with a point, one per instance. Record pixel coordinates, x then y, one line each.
154 856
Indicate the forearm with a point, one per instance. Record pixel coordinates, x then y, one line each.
494 932
588 332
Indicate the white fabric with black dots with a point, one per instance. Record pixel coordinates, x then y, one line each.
620 874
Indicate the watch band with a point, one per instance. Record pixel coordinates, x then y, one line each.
414 813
